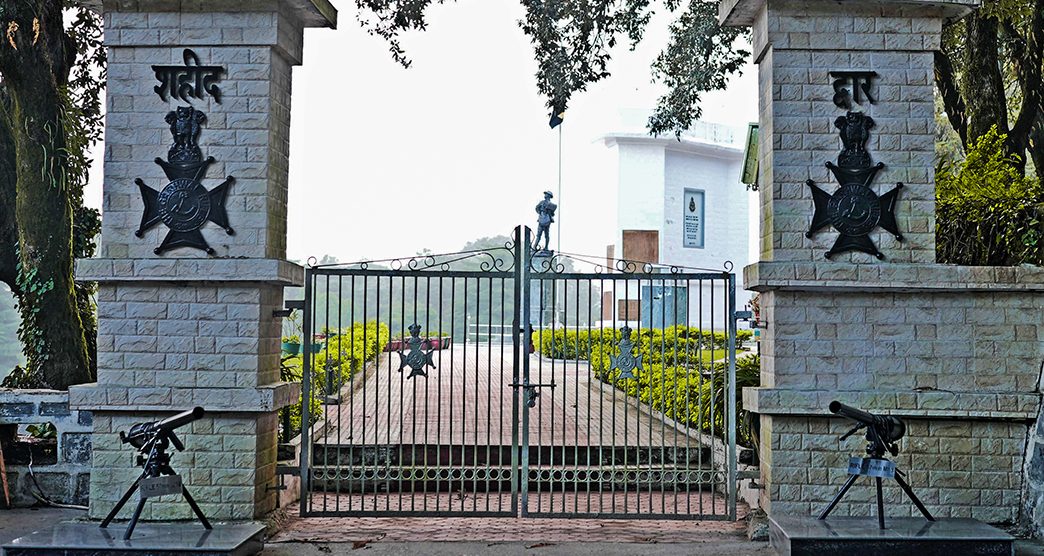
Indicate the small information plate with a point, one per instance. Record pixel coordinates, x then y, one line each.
871 467
855 466
152 487
881 468
692 219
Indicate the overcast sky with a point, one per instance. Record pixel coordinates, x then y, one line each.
386 161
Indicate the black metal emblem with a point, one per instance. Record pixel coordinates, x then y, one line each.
626 362
417 359
193 80
861 81
854 210
184 205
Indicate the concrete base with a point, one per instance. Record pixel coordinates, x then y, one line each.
860 536
154 539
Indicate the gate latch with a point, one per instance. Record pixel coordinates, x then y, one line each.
531 391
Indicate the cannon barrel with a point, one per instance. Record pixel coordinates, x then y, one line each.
891 428
179 420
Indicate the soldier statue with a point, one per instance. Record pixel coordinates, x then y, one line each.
545 216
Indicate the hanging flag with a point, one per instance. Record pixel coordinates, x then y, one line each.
556 118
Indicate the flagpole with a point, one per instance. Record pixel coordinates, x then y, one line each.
560 186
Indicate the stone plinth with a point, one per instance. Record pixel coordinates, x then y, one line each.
956 351
182 327
797 536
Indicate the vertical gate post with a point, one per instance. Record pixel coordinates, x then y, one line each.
521 394
519 347
306 394
731 397
196 150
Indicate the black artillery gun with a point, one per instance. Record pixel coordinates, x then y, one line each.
882 434
157 477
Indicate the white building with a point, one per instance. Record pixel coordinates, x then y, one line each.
680 202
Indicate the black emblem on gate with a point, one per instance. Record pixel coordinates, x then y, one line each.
417 359
626 362
854 210
184 205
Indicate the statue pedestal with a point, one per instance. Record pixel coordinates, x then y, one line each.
543 309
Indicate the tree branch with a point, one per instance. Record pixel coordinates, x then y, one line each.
1029 59
946 83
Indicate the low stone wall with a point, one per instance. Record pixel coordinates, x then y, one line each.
64 477
955 351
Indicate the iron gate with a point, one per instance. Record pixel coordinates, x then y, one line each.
506 382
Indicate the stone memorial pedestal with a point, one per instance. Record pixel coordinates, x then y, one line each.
860 536
153 539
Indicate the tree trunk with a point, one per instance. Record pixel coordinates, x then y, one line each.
8 177
982 86
33 68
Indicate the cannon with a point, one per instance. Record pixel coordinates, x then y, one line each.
157 478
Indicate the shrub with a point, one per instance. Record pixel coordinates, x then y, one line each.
987 213
673 345
684 385
344 354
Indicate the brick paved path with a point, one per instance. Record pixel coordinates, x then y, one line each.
467 400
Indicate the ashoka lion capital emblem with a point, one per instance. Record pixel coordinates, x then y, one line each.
184 205
854 210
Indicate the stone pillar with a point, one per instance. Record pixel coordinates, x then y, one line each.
954 350
181 326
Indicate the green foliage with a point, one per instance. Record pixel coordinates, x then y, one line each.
700 57
689 395
987 212
42 431
673 344
679 378
344 354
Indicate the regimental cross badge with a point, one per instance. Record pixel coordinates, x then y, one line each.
626 361
417 359
184 205
854 210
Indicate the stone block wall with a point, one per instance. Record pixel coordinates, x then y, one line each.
955 351
228 466
67 481
797 46
185 327
958 468
247 132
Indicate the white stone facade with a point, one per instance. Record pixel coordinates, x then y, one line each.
652 175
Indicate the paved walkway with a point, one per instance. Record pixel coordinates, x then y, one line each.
467 400
442 443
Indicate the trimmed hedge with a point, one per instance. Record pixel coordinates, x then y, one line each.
343 355
689 396
678 379
671 345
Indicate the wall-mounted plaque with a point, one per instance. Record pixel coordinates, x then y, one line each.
693 221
